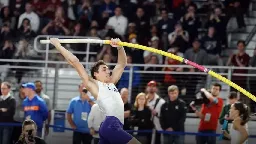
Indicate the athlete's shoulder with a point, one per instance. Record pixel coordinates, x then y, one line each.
95 106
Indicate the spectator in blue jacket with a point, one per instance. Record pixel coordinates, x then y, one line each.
34 107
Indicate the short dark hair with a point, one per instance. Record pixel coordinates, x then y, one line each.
240 41
211 27
118 6
164 9
95 67
217 85
232 95
38 81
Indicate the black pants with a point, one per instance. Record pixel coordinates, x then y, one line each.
83 138
158 138
238 13
96 140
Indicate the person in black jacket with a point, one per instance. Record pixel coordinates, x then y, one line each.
141 118
7 111
28 135
173 116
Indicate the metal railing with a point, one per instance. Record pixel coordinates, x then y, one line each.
47 50
56 80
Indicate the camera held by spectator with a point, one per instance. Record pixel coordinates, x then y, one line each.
28 135
200 99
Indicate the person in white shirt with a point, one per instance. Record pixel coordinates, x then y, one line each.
239 132
155 103
32 16
95 119
118 22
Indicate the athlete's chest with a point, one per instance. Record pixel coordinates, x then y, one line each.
109 88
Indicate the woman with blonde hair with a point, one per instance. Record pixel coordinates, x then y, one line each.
141 118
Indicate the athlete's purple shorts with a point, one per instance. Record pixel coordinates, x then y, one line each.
111 132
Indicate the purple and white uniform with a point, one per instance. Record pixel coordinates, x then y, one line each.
111 104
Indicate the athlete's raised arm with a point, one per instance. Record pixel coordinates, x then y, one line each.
121 62
74 61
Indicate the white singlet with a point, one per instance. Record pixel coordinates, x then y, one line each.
236 135
109 101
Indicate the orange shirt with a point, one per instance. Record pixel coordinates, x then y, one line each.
211 113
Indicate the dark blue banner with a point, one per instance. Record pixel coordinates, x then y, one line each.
59 121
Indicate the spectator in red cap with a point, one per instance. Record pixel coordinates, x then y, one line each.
155 103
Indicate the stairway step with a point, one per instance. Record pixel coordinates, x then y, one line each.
250 21
254 38
239 36
253 13
250 46
248 29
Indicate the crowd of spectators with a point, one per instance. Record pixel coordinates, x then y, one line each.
182 27
145 22
150 111
196 31
28 103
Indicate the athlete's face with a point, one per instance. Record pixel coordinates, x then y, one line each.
233 113
103 74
